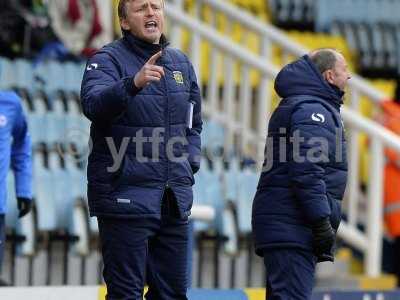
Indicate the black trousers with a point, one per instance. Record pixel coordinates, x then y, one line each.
2 239
290 274
140 250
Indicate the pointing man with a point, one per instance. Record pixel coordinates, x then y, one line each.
144 103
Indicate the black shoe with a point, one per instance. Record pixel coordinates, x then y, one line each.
3 283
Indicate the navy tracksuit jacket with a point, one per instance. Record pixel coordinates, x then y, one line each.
119 111
133 194
293 194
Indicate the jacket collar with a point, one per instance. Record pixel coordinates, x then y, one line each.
143 48
339 93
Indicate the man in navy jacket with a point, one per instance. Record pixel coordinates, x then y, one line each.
296 210
15 152
144 103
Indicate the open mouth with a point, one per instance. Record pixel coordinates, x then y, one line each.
150 25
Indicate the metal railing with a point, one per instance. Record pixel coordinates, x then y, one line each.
238 94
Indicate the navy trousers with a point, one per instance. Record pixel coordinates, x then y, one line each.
290 274
2 239
140 250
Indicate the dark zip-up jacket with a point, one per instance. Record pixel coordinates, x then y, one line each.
304 183
125 117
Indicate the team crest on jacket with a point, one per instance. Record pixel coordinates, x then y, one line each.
178 77
3 121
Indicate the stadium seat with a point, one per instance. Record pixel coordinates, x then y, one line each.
206 192
8 74
231 185
248 179
63 190
213 136
12 211
37 120
73 76
55 189
391 48
56 119
43 191
365 46
231 180
347 31
398 45
378 44
21 233
321 40
240 187
24 73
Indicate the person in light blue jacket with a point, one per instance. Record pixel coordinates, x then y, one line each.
15 152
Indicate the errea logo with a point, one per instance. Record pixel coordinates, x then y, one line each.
92 67
3 121
318 117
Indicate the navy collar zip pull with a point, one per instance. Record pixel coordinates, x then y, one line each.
143 48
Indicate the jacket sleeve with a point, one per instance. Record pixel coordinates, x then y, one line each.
193 134
104 94
21 157
311 139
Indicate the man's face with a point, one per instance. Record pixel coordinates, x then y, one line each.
144 19
340 74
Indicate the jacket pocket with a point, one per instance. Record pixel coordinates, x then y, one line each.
336 212
189 170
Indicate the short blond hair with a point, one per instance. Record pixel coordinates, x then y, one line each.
122 8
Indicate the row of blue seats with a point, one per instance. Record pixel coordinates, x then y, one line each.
56 189
217 186
52 127
377 45
49 76
297 14
369 11
51 123
58 185
61 209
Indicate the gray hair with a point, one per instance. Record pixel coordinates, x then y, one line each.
324 59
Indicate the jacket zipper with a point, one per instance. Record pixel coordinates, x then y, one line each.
167 127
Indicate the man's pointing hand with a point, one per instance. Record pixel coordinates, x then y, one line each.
149 72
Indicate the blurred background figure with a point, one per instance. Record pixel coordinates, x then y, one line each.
15 151
391 120
60 29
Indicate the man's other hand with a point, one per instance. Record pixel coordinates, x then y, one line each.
323 240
